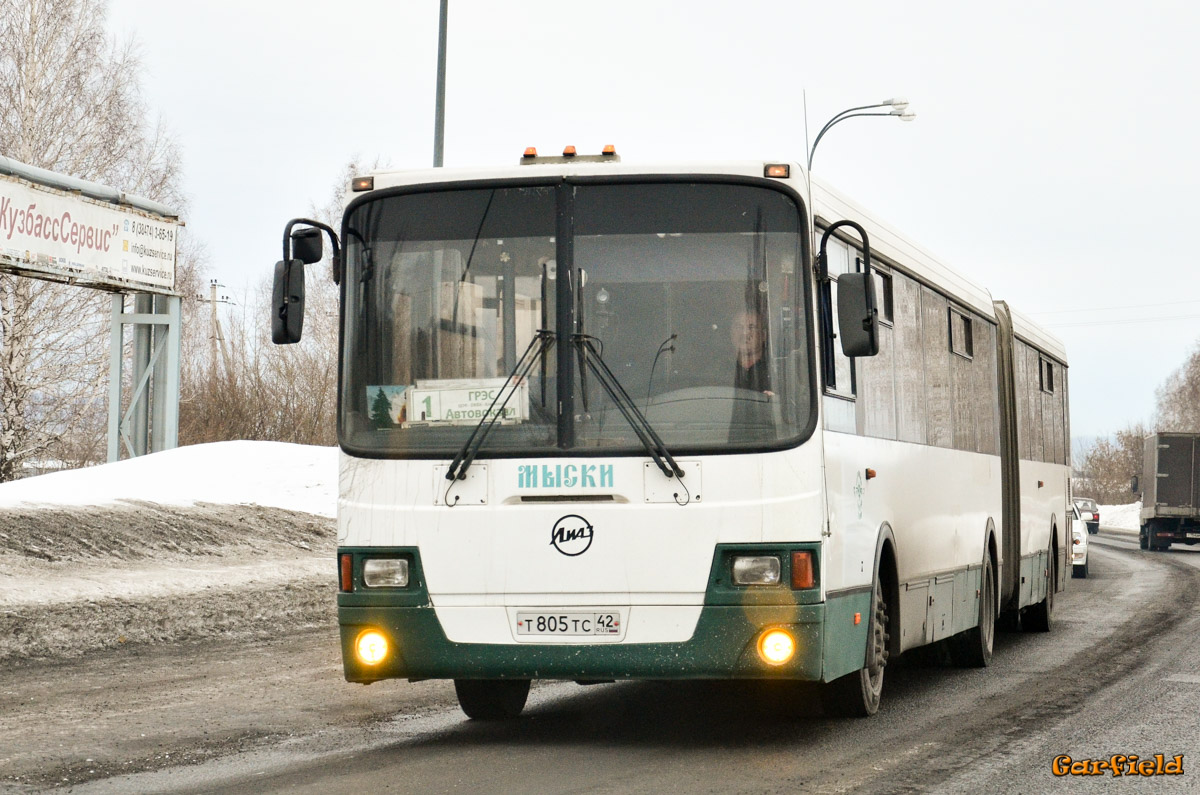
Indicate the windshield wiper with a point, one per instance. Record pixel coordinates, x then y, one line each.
542 340
633 415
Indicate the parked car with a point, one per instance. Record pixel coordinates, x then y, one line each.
1089 505
1079 542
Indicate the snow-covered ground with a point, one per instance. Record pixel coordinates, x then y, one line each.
272 474
1123 517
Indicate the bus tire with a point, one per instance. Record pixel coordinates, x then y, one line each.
492 699
973 648
857 694
1040 617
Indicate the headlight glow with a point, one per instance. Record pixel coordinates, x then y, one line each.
371 647
776 647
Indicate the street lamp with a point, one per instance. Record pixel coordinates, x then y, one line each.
898 105
439 114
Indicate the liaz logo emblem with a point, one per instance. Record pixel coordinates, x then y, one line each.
572 535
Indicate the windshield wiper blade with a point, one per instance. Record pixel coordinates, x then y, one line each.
542 340
633 415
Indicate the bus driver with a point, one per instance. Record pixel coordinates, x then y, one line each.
751 415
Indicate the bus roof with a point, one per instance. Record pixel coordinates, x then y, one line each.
1037 336
829 206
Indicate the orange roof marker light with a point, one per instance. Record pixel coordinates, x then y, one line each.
779 170
570 155
362 183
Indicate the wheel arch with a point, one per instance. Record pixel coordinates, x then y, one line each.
992 552
1058 558
887 572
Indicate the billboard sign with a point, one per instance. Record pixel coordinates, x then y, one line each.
64 236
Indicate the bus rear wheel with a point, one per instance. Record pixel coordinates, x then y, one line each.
973 648
1039 617
857 694
492 699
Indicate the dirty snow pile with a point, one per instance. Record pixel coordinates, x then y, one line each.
230 538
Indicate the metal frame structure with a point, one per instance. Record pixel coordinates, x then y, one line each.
151 423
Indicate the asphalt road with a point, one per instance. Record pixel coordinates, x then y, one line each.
1116 676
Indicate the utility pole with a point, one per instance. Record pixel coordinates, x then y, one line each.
216 337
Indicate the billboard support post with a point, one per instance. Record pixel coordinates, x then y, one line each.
151 423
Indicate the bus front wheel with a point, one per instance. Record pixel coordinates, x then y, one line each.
857 694
492 699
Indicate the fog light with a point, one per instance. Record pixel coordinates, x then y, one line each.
385 572
758 570
776 647
371 647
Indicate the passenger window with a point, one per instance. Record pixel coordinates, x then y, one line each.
1046 373
961 341
839 369
883 296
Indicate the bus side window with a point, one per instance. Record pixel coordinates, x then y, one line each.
839 369
874 376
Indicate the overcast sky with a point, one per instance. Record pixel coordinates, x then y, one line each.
1052 158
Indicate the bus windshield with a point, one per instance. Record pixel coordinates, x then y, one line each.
692 294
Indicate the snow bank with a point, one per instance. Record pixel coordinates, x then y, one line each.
1124 517
272 474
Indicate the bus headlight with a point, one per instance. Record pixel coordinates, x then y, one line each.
776 647
756 570
371 647
385 572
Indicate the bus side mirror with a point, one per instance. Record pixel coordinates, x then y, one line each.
1133 486
307 245
858 319
287 302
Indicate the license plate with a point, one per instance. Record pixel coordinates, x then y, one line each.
1193 535
572 623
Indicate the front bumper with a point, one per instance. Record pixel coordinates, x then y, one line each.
724 646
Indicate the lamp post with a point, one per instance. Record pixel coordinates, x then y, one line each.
899 108
439 116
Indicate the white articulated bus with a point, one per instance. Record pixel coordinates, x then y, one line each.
601 421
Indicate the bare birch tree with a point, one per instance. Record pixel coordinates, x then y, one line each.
1109 465
1179 397
70 102
254 389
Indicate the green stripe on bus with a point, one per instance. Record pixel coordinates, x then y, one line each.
845 641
